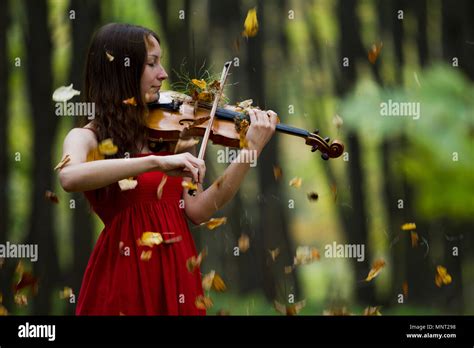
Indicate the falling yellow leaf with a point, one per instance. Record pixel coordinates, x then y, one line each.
288 269
51 196
296 182
109 56
195 261
372 311
442 276
159 190
409 226
215 222
218 283
414 239
251 24
405 289
200 83
65 293
274 253
3 310
20 300
146 255
94 155
203 302
127 184
306 254
291 309
244 243
107 147
63 162
375 52
277 172
213 281
376 269
189 185
185 144
150 239
130 101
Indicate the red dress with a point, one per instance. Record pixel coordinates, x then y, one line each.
118 280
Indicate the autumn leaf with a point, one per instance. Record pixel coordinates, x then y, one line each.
296 182
159 190
130 101
292 309
251 23
63 93
51 196
150 239
277 172
213 281
205 97
372 311
203 302
215 222
20 300
405 289
127 184
189 185
414 239
305 255
106 147
66 159
195 261
145 255
109 56
27 279
65 293
442 276
244 243
274 253
375 52
409 226
376 269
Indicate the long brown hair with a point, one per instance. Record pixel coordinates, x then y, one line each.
114 67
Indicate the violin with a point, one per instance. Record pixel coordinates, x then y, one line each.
175 116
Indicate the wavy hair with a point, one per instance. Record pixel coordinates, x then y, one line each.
114 67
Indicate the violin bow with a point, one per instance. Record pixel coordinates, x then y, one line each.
205 139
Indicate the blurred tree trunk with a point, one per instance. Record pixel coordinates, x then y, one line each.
86 22
177 31
39 80
6 271
354 215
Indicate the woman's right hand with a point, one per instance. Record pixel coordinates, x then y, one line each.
183 164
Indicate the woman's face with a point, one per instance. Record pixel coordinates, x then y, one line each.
153 74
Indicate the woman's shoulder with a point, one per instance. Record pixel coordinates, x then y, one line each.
86 135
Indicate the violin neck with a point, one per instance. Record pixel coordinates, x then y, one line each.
280 127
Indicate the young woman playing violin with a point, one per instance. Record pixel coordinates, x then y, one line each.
119 280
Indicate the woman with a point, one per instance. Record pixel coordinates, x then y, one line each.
126 275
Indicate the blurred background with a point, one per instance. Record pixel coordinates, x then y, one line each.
320 64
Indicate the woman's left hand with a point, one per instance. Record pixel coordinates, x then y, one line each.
262 127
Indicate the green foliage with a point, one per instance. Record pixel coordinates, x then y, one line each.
438 157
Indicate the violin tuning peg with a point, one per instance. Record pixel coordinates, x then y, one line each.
327 139
316 131
314 148
325 156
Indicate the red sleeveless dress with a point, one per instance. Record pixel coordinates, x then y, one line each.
118 279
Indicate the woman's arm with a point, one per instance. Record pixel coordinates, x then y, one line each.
201 207
80 175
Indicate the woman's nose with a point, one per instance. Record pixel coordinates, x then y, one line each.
162 75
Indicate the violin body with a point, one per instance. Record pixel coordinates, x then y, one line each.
176 116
